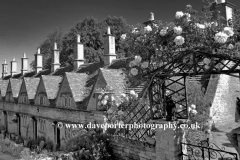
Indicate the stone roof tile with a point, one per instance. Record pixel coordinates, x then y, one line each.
31 86
51 84
4 85
15 86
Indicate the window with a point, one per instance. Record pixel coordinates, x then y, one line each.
41 100
24 118
66 101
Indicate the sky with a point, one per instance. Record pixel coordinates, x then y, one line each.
25 24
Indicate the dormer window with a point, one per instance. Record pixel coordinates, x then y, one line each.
23 98
9 97
42 99
66 100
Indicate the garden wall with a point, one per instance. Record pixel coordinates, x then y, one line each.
125 149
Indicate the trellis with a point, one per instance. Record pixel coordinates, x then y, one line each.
172 72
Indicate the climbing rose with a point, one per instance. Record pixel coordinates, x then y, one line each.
228 31
106 97
177 30
132 63
138 59
163 32
200 26
230 46
179 14
132 92
148 29
123 36
188 16
100 97
99 103
193 111
104 102
123 95
120 112
179 40
110 111
221 37
193 106
134 71
144 65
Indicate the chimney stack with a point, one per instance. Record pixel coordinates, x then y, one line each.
151 16
24 64
109 48
13 67
78 53
224 9
55 58
4 68
38 61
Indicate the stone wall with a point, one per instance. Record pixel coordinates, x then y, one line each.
125 149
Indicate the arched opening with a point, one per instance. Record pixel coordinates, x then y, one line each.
57 139
5 120
34 122
18 124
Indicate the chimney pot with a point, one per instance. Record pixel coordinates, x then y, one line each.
24 64
78 38
109 30
24 55
38 61
5 61
4 68
38 50
55 45
151 16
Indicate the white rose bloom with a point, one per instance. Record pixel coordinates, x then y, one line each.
123 95
189 109
132 92
228 31
134 71
144 65
123 36
230 46
99 103
120 112
148 29
193 111
132 63
178 30
221 37
193 106
138 59
121 122
163 32
179 14
200 26
179 40
106 97
188 16
110 111
104 102
100 97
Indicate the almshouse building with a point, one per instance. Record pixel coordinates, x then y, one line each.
32 103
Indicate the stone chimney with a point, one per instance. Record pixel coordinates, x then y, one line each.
4 68
13 67
55 58
224 9
109 48
24 64
78 53
151 16
38 61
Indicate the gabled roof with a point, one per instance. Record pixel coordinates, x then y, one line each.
43 72
90 68
31 86
81 86
15 86
115 79
4 85
51 84
61 71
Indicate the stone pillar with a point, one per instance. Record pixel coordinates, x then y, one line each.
109 48
168 141
24 64
55 58
78 54
4 68
13 67
38 61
